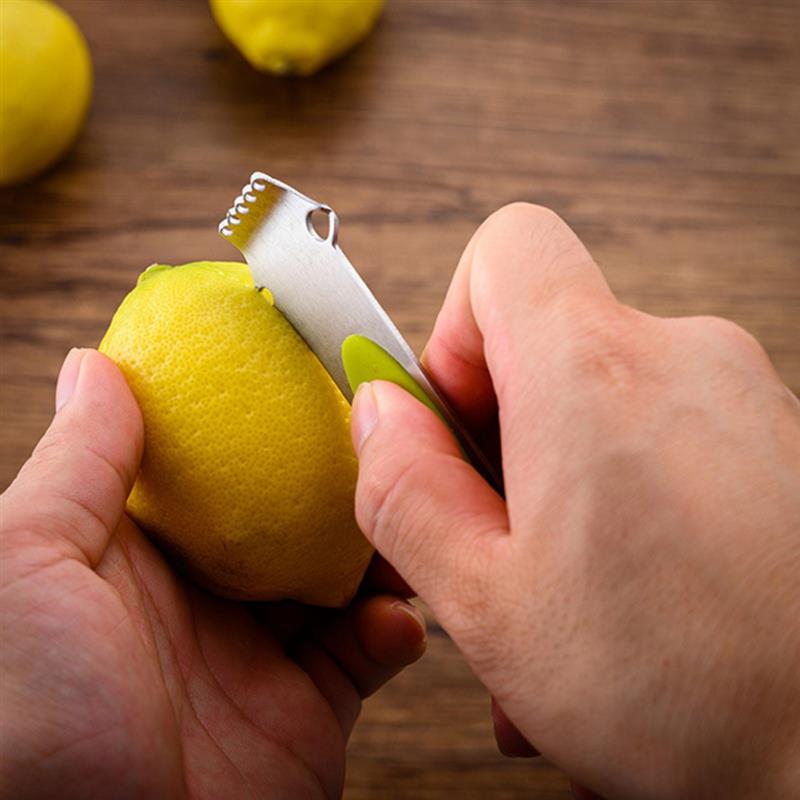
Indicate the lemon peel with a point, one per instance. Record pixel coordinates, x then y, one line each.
248 474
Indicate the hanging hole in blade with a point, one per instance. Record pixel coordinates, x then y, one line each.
322 224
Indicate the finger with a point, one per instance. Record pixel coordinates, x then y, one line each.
425 509
72 491
392 635
580 793
331 681
521 264
286 620
382 577
352 655
510 741
374 640
454 354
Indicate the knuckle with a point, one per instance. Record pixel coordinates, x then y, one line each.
481 611
602 344
72 511
731 343
526 222
50 450
49 524
467 611
533 235
728 337
396 514
528 214
86 459
383 495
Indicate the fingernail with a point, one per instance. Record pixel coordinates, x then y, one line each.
413 612
68 376
365 415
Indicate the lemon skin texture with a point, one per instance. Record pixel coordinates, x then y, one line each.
294 37
248 474
45 87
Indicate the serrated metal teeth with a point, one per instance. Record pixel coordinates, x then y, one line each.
240 205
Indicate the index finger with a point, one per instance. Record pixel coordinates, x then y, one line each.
523 265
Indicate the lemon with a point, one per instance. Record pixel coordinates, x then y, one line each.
294 36
45 86
248 475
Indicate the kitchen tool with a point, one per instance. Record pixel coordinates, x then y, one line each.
319 291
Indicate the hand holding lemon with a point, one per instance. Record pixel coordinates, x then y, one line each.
144 685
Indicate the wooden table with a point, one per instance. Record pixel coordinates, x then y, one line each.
666 133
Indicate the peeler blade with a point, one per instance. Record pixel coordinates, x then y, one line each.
318 290
314 284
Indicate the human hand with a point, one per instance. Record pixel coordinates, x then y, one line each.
634 602
118 678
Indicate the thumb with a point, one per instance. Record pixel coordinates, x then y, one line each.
71 493
425 509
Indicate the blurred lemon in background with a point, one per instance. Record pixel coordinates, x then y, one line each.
45 86
248 474
295 36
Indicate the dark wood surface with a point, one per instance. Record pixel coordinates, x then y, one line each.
666 133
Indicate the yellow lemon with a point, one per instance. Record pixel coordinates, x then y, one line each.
248 475
45 86
295 36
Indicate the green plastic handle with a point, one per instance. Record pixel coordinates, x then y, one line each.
363 361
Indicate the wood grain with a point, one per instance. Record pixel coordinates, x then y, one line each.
666 133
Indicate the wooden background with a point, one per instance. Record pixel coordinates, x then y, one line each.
667 134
